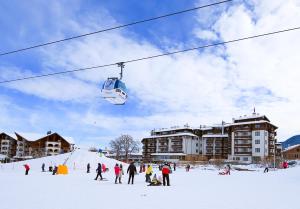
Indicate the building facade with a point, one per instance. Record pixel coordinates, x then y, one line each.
21 147
247 139
292 152
174 144
251 139
8 145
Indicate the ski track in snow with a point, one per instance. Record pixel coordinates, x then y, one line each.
197 189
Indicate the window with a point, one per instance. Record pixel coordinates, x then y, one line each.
257 149
257 125
257 141
237 158
257 133
245 159
196 144
196 150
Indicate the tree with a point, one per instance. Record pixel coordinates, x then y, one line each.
124 144
116 147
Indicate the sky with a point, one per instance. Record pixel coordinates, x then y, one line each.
196 88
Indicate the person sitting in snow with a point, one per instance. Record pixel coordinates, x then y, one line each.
55 170
155 181
225 172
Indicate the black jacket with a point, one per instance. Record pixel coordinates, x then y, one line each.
131 168
99 169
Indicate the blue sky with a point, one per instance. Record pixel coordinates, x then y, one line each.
203 87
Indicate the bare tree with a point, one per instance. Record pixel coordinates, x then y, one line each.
124 144
116 147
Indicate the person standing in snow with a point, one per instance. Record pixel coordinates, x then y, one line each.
99 171
148 173
54 170
43 167
103 167
228 169
121 173
88 168
187 168
144 167
131 170
174 166
165 172
141 167
117 172
27 168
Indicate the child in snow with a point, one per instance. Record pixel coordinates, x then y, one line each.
88 168
117 172
121 173
187 168
148 173
43 167
155 181
27 168
103 168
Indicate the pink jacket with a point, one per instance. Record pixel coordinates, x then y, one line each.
117 170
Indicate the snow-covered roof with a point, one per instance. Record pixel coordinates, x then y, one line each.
254 115
12 135
173 128
31 136
170 135
214 135
250 122
170 154
37 136
291 147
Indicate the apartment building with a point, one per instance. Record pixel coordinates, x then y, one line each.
174 144
247 139
251 138
26 146
7 145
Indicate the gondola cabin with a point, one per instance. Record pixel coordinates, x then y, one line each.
114 91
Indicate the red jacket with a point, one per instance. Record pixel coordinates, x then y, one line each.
117 170
165 169
27 167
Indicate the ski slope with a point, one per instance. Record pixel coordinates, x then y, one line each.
201 188
77 160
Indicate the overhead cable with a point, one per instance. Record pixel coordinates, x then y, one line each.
113 28
154 56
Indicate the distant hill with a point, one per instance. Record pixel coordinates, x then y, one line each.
291 141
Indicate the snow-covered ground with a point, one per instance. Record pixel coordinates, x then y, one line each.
199 188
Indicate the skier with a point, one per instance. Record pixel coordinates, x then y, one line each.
165 172
131 170
117 172
27 168
148 173
88 168
43 167
121 173
174 166
99 171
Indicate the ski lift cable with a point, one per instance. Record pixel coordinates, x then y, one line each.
114 28
154 56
